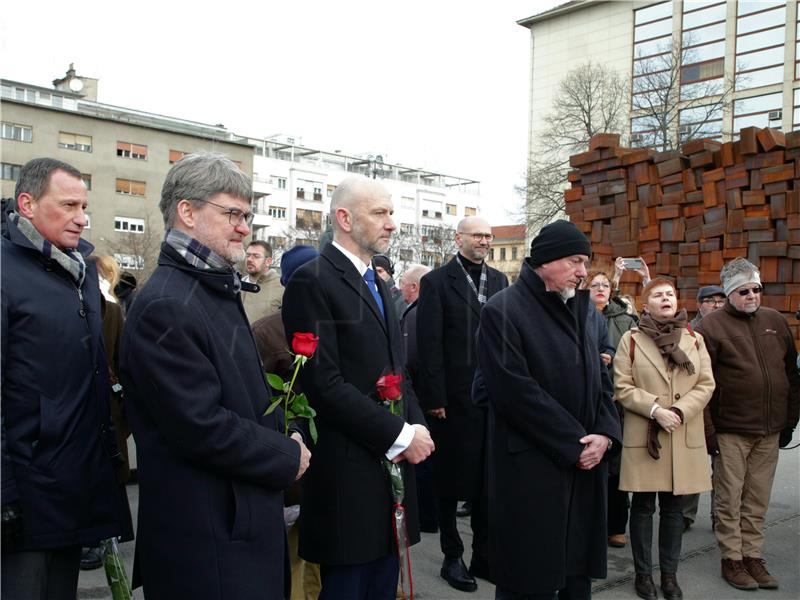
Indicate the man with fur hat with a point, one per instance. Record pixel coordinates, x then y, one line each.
551 424
753 411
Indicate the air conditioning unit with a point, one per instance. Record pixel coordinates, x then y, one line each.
637 138
685 129
776 115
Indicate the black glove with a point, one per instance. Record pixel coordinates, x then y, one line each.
785 438
711 444
11 527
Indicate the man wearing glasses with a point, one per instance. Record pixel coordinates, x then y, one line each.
258 260
212 467
450 303
753 411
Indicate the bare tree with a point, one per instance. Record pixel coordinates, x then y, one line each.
677 97
430 245
591 99
137 251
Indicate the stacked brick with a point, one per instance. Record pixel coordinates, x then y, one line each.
686 212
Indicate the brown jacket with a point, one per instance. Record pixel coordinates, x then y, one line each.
268 300
754 361
683 467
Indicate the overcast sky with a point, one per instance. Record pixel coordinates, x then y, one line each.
438 84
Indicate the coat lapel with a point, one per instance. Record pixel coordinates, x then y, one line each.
356 282
646 348
459 284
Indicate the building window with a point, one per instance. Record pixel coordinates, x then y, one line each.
450 209
700 122
129 186
88 220
277 242
407 228
470 211
128 224
74 141
281 181
87 180
491 253
128 150
317 194
502 253
18 133
759 44
513 253
796 112
758 111
133 262
301 193
277 212
330 190
407 202
11 172
176 155
308 219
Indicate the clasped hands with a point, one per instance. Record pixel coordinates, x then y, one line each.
595 447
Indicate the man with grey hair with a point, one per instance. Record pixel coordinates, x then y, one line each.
753 411
346 506
212 466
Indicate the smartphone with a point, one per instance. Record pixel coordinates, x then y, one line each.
632 264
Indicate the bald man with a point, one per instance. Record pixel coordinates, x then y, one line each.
450 303
346 507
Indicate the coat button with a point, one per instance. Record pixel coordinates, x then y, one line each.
82 313
677 396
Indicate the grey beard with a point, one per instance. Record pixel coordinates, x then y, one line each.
567 293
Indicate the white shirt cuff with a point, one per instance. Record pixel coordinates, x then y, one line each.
653 410
402 442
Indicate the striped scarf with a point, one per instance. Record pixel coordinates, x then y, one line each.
71 260
199 255
480 291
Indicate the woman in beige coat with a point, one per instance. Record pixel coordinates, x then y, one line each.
663 379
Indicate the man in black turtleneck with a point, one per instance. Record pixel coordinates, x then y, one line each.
450 303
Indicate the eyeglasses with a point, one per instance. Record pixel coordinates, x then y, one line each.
756 290
254 255
597 286
711 301
479 237
235 216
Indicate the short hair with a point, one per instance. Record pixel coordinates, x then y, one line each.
592 274
349 191
198 177
264 246
414 273
34 177
648 289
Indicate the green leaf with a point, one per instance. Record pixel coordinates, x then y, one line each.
275 381
300 400
312 429
274 405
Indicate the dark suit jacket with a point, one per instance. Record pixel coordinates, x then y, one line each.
448 314
346 507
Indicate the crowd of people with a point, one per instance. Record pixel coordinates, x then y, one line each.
559 411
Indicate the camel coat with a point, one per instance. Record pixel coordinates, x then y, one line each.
684 466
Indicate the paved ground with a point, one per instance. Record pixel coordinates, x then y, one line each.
698 573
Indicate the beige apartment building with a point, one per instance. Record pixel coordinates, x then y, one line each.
508 250
123 154
754 44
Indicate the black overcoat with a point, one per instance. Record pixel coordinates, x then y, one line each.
211 467
57 439
540 359
448 314
346 508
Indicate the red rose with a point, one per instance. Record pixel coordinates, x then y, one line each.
389 387
304 343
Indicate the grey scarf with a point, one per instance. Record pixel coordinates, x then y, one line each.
71 260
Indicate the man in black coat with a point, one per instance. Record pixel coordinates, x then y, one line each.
212 468
450 303
551 423
346 507
59 452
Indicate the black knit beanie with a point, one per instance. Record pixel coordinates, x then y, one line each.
558 240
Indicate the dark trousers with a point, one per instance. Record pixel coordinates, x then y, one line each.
426 501
576 588
670 531
376 580
450 540
41 575
617 507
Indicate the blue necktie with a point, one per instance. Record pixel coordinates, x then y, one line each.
369 277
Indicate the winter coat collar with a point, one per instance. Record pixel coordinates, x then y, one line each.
221 281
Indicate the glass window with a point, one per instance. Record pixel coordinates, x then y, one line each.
651 13
652 30
772 18
758 78
704 34
762 39
74 141
651 47
761 120
762 58
764 103
10 171
701 53
701 17
744 8
701 71
698 114
653 64
710 87
87 180
689 5
19 133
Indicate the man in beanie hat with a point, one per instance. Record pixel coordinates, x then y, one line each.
384 268
451 299
753 411
551 424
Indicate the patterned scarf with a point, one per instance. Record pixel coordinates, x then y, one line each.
71 260
667 337
199 255
480 291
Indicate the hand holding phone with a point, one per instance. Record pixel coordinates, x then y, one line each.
632 264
